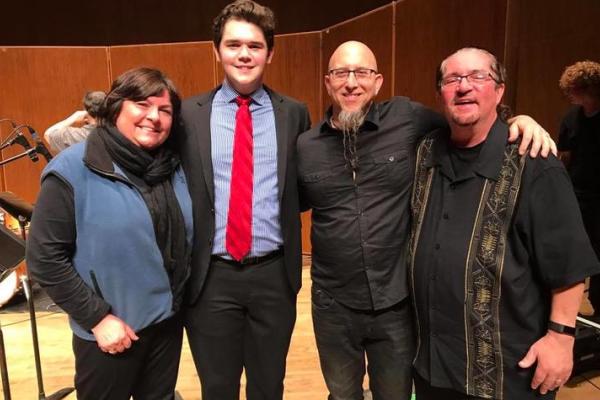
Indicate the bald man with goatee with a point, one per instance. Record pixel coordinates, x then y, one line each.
356 171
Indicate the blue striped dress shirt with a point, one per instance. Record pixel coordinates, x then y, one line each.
266 230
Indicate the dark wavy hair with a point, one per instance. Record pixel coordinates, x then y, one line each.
138 84
249 11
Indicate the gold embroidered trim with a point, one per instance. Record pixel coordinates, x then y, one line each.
421 188
483 268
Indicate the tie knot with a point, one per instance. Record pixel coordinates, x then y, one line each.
243 100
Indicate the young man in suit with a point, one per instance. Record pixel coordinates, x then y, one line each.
237 147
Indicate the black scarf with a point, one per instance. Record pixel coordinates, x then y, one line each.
151 174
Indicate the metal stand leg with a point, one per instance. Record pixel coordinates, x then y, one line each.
4 368
34 334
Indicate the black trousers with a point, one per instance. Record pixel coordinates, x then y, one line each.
146 371
425 391
243 320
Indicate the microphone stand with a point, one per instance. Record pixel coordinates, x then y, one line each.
3 365
23 217
14 131
4 368
26 280
27 152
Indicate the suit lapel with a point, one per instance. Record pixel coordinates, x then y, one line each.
282 138
203 144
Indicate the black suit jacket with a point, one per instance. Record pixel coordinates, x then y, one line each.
194 144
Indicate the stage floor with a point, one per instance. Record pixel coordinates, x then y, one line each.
303 380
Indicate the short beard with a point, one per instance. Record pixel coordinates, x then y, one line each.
349 123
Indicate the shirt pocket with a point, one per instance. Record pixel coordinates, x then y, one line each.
314 188
390 171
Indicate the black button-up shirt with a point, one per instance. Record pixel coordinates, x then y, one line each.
547 248
360 224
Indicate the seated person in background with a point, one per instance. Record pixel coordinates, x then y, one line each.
110 241
498 250
579 149
78 125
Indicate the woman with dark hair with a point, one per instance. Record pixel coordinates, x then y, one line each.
110 242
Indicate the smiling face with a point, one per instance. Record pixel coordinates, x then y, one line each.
146 123
243 53
470 103
352 94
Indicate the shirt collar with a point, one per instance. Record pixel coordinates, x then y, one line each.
488 163
371 123
228 94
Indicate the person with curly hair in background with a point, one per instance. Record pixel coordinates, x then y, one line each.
579 149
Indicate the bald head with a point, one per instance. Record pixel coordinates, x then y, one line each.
353 51
352 79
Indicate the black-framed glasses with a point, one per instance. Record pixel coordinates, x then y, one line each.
341 74
474 78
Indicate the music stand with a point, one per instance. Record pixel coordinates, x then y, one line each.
22 210
12 249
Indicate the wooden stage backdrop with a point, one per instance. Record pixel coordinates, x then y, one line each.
536 39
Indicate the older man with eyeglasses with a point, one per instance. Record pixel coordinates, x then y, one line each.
356 170
498 251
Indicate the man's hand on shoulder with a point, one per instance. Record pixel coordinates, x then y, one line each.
532 134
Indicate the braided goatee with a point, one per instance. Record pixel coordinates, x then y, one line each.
349 123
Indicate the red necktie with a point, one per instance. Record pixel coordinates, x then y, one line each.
238 236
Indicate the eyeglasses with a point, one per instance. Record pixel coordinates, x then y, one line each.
474 78
341 74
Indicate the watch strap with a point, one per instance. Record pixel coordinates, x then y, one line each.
560 328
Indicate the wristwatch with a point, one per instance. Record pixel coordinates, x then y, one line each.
560 328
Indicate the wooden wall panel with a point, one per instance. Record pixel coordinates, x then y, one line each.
429 30
189 65
375 29
39 87
549 39
296 70
109 23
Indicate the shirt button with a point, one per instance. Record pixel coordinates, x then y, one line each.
446 216
434 334
391 159
212 210
367 267
452 186
433 277
437 246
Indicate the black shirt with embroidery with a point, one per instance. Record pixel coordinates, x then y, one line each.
547 248
360 219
